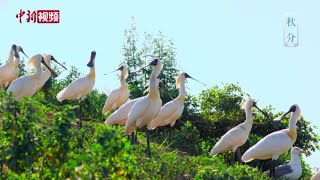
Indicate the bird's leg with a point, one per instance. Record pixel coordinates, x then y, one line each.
274 169
260 163
163 132
148 144
80 145
136 137
170 131
234 159
132 137
80 114
272 172
239 156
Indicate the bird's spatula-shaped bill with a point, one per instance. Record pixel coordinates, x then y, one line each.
188 76
264 113
120 68
153 62
53 59
21 50
283 115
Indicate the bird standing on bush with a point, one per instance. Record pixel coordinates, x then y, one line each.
238 135
10 71
293 169
79 88
276 143
27 85
172 110
120 116
120 95
147 107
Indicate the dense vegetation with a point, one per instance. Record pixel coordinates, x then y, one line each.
39 136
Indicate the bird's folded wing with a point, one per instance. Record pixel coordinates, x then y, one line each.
234 134
167 110
77 87
283 170
138 109
113 96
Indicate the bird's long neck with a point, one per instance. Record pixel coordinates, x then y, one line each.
38 71
249 118
123 78
11 53
293 122
295 159
92 73
16 62
182 92
153 89
47 72
153 79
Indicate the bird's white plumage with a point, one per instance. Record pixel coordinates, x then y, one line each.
27 85
233 139
120 116
276 143
118 96
24 86
9 71
146 108
78 89
168 114
172 110
143 111
236 136
269 147
316 176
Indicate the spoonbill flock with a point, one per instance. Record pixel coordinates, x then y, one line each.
147 111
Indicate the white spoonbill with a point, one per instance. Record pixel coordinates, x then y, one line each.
120 116
238 135
172 110
27 85
47 73
79 88
120 95
276 143
10 71
316 176
292 170
146 108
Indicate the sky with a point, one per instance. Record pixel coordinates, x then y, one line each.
216 42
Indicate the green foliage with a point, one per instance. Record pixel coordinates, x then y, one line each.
151 47
22 66
39 135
